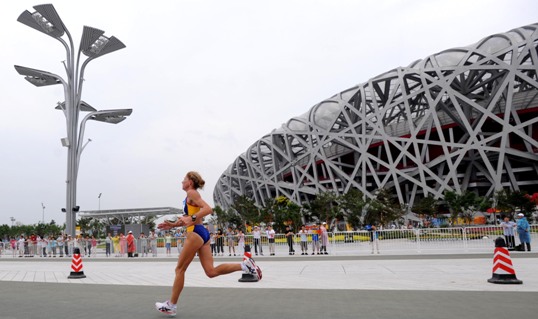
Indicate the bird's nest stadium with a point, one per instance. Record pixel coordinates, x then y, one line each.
462 119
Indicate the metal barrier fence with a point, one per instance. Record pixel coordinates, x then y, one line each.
395 241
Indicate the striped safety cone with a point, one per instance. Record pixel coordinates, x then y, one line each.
247 277
76 266
503 270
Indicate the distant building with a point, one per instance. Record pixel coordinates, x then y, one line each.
462 119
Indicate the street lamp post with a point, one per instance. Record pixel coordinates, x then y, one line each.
43 216
12 221
93 44
99 198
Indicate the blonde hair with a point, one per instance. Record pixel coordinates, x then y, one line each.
197 180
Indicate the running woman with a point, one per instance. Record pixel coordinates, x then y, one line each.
197 241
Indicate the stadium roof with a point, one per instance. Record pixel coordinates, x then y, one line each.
461 119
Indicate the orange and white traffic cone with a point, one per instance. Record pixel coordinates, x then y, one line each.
247 276
503 270
76 266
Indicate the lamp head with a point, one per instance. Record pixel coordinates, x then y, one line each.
94 44
45 19
111 116
38 77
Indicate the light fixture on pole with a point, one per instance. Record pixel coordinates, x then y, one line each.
12 221
43 216
93 44
99 197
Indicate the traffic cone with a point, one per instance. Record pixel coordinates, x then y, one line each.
76 266
503 270
247 277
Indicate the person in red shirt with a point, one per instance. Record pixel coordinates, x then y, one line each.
131 247
33 242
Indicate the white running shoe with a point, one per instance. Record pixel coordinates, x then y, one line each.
166 308
249 266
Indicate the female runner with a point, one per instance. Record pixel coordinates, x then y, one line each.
197 241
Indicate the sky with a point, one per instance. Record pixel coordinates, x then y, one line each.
205 80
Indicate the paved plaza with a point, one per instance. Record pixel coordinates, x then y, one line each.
378 286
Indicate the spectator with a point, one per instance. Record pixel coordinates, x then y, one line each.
324 238
374 240
88 243
108 245
304 240
26 249
66 244
508 231
289 239
49 246
143 240
21 243
39 246
524 232
153 243
123 245
131 246
32 245
13 243
212 244
44 244
220 242
315 239
82 245
116 243
70 245
271 238
60 244
168 243
94 244
179 235
240 242
230 240
53 245
257 235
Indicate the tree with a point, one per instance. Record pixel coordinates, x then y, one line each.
462 205
40 229
247 209
282 212
508 202
352 204
325 206
383 209
427 206
84 224
222 217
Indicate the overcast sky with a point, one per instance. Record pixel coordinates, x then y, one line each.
205 80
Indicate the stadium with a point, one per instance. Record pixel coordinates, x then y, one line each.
462 119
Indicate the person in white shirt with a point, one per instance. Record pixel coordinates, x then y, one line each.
271 238
153 243
304 240
21 245
240 242
257 235
508 231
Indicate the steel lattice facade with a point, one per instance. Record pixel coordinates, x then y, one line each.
462 119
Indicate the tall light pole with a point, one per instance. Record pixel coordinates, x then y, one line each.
43 216
99 197
12 221
93 44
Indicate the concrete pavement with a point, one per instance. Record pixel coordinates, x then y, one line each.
430 286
